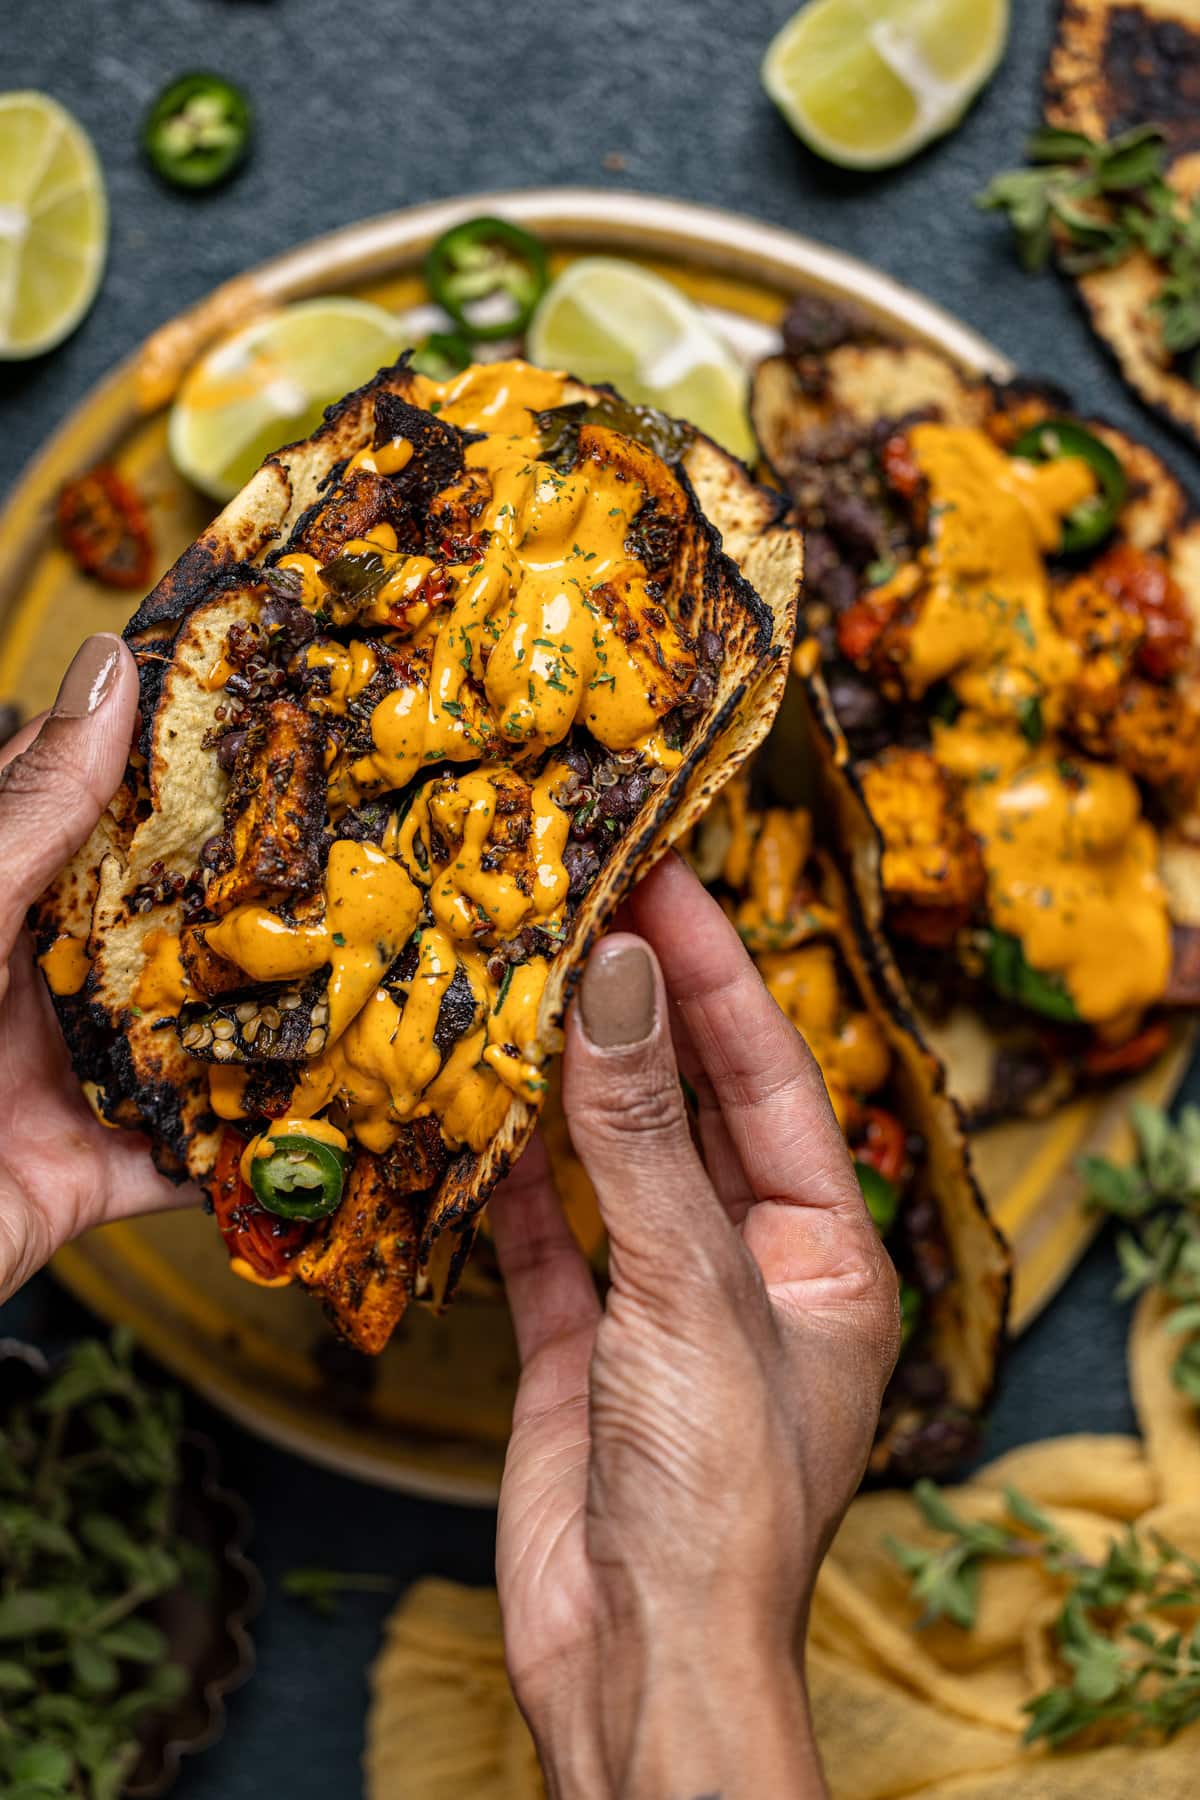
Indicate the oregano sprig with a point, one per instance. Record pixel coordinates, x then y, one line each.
89 1472
1157 1196
1094 203
1130 1670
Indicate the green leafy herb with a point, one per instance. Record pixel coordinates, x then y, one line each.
1127 1672
1093 204
320 1588
1158 1197
89 1472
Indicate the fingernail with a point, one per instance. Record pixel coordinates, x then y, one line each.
89 677
617 999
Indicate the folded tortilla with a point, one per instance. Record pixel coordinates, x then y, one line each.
822 409
1113 66
162 940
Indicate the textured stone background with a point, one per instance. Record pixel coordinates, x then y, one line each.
363 107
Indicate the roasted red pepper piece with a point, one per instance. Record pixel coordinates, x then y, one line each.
102 523
1141 582
900 466
1135 1053
883 1144
265 1243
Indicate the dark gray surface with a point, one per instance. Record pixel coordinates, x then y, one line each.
367 106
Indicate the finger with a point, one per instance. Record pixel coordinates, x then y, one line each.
624 1106
20 741
551 1293
717 1148
52 794
768 1086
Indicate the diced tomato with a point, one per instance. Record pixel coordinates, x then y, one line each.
1142 583
860 628
1135 1053
264 1242
102 523
900 466
883 1143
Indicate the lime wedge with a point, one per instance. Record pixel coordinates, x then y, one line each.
53 224
866 83
269 382
608 320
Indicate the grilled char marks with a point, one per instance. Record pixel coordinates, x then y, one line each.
266 1024
275 815
437 450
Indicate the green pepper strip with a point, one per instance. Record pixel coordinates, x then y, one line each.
300 1179
1089 523
1013 978
441 355
881 1195
482 258
197 131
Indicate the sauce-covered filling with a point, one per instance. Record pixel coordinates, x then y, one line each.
760 863
1051 699
468 673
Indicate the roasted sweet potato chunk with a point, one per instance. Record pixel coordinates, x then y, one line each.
362 1261
275 815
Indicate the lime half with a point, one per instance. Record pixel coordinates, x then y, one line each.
866 83
608 320
269 383
53 224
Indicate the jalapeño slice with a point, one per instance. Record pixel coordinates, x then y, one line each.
489 276
1089 523
197 131
300 1179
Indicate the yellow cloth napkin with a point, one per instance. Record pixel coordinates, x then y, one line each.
898 1712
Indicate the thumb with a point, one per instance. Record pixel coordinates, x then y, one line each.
626 1114
53 793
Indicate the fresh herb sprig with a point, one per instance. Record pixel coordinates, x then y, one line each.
322 1589
1094 203
1129 1672
89 1472
1158 1198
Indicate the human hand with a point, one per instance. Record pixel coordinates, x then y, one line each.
61 1171
681 1456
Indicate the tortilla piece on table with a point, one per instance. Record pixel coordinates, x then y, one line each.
1115 66
177 635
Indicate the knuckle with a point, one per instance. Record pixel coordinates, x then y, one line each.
650 1105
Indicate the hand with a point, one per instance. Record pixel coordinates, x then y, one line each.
61 1171
681 1456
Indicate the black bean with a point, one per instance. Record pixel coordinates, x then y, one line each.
710 647
10 720
858 705
229 748
857 527
814 324
582 865
576 758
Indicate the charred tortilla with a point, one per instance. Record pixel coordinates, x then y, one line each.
1113 67
806 933
417 709
904 654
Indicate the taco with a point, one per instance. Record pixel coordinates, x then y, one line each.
998 651
417 709
802 926
1115 66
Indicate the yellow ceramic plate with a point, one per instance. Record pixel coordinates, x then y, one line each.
432 1414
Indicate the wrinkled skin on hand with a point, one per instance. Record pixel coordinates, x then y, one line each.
61 1172
681 1455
